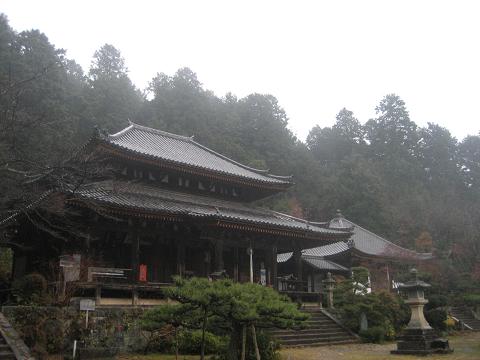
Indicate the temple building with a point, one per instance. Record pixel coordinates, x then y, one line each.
168 206
381 257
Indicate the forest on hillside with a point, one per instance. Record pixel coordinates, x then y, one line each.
417 186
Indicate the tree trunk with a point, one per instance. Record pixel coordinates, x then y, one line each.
234 343
204 328
255 344
176 345
244 341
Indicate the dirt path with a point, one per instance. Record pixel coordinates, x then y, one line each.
466 347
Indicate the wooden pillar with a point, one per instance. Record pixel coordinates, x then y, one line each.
297 255
236 275
274 271
134 297
219 264
135 238
180 257
98 295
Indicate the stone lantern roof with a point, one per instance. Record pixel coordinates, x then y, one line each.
414 283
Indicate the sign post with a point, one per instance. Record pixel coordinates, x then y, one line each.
87 305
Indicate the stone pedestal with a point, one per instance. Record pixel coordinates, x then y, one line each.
421 342
419 338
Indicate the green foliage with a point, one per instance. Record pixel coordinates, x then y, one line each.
232 306
384 311
31 290
269 347
374 334
437 318
472 300
190 342
6 263
41 328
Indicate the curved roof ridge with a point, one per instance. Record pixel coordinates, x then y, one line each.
259 171
310 222
382 238
151 130
291 217
190 139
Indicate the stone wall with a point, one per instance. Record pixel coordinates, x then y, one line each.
52 330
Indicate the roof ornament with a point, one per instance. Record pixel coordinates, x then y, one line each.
99 133
350 243
130 122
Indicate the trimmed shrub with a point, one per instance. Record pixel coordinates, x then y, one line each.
437 318
189 342
472 300
31 290
375 334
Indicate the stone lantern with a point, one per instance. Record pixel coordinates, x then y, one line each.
419 338
329 284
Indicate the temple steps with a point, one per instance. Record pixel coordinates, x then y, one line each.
6 352
320 330
465 316
12 346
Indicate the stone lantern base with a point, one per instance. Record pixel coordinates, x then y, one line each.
421 342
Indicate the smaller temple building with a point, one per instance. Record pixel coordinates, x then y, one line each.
381 257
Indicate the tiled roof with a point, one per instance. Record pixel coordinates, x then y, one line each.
361 240
315 261
176 149
323 264
366 242
143 198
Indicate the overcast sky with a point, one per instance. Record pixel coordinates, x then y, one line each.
316 57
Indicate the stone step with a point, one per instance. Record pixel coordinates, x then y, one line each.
307 330
284 339
333 332
7 355
336 342
319 321
320 330
317 342
466 317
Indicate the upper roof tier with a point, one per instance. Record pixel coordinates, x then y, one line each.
177 150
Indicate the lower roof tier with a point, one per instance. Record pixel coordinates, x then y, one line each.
140 200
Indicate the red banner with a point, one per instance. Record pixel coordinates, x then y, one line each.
142 275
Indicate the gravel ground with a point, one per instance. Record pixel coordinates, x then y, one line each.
466 346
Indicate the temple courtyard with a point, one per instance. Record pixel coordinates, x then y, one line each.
466 346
